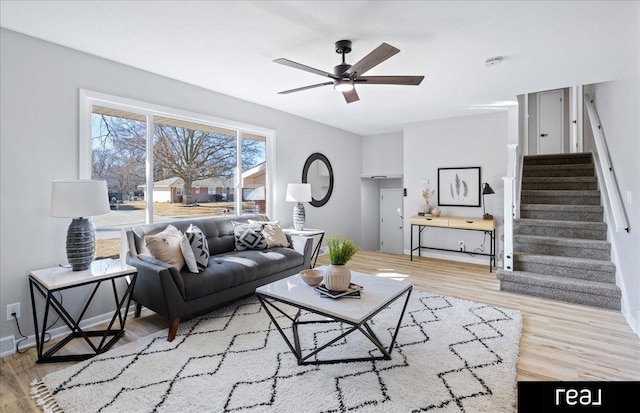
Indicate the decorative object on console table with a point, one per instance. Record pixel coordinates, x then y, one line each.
79 200
435 211
337 275
298 193
459 186
426 194
486 190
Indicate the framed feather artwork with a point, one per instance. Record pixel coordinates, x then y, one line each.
459 186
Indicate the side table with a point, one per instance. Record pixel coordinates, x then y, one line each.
317 234
50 280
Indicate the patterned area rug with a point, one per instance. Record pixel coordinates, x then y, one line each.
450 356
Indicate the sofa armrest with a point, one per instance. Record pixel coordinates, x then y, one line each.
158 284
304 245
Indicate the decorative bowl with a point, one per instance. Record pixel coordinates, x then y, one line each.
312 276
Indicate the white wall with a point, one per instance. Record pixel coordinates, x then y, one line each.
618 106
39 143
457 142
382 154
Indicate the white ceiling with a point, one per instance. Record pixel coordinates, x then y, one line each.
229 47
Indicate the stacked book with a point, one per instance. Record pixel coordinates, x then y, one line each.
352 292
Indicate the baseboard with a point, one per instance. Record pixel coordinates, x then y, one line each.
57 332
458 257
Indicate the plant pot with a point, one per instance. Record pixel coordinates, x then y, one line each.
337 277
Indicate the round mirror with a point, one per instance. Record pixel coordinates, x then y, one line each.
318 173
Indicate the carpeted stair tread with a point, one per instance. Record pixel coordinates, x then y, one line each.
551 281
566 261
562 229
598 209
561 192
596 294
559 179
564 158
558 223
560 183
561 241
579 169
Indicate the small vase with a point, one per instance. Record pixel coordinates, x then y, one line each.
337 277
435 211
427 208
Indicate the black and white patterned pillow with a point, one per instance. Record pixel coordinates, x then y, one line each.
249 236
199 245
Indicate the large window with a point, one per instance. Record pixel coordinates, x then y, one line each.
162 164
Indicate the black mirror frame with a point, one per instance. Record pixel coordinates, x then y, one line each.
305 171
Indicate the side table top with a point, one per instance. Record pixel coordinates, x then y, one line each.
55 278
305 231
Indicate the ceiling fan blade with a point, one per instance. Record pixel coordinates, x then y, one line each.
351 96
390 80
304 88
377 56
300 66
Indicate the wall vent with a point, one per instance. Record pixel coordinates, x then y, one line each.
7 346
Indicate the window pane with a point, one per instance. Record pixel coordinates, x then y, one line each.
194 169
254 174
118 149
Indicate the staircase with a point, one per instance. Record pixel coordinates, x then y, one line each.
560 241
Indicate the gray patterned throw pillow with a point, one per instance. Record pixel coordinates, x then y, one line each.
249 236
199 245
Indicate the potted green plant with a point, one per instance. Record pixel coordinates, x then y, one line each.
341 250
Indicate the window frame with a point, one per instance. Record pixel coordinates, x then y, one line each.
89 98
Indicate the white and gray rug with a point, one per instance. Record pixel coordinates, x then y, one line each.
451 356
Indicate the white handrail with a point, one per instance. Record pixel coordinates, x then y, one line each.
510 204
611 190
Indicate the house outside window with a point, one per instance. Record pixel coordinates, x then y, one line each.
229 161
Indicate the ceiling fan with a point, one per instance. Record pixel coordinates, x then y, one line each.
346 76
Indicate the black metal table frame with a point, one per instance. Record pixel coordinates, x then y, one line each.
420 247
362 326
74 324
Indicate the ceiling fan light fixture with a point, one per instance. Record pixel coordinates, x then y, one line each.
343 85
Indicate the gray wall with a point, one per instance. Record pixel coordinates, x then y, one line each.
39 143
618 106
456 142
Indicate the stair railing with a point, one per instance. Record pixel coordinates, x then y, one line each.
603 161
511 206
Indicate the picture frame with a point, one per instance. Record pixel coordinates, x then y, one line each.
459 186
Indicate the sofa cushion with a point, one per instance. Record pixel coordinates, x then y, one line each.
199 246
235 268
165 246
249 236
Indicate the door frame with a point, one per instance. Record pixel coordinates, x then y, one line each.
561 118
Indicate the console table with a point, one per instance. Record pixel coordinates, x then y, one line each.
50 280
488 226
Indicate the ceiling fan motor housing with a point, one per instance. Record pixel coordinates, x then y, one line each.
340 69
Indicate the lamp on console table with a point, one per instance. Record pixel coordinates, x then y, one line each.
79 200
298 193
486 190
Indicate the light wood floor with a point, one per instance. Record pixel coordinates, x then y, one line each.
560 341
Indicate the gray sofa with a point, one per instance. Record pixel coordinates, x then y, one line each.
231 274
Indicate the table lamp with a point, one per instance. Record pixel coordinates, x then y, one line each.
486 190
79 200
298 193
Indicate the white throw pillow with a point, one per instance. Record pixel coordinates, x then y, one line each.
274 236
187 253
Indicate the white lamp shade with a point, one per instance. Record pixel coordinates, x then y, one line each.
81 198
299 192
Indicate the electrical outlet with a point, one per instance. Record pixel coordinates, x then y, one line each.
13 308
461 246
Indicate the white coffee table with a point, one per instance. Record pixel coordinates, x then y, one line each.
378 293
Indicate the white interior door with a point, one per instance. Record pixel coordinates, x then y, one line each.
551 122
391 236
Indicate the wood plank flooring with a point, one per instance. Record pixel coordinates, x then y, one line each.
560 341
